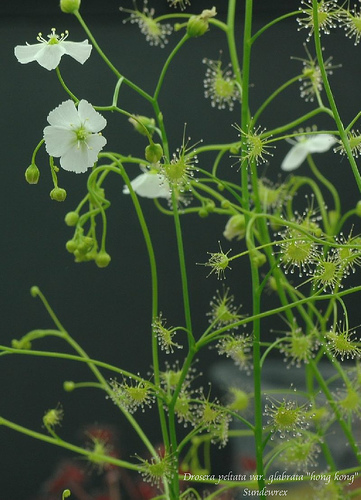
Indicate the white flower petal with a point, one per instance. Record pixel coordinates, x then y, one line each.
75 159
295 157
58 141
27 53
49 57
92 120
320 143
65 115
82 156
149 185
80 51
95 144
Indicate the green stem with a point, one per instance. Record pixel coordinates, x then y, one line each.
108 62
183 270
331 100
245 120
335 409
326 183
154 277
272 96
166 66
67 90
232 47
272 23
64 444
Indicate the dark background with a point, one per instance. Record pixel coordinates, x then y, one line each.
108 311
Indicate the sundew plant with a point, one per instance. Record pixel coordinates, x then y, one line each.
291 238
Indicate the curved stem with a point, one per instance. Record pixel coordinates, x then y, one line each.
166 66
272 23
331 100
108 62
67 90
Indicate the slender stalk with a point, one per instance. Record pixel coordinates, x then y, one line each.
69 446
108 62
166 66
245 123
331 100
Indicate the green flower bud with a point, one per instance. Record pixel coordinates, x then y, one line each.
71 246
142 124
32 174
102 259
239 399
34 291
276 226
96 195
69 386
272 284
358 208
85 244
69 6
58 194
235 227
210 206
258 258
203 212
153 153
198 25
21 344
71 218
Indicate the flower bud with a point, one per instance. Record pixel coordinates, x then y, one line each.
334 217
275 225
235 227
358 208
21 344
85 244
258 258
210 206
142 124
272 284
71 246
32 174
203 212
69 6
102 259
34 291
69 386
240 399
153 153
58 194
198 25
71 218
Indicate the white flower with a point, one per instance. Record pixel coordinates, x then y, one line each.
150 184
73 135
49 52
306 144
